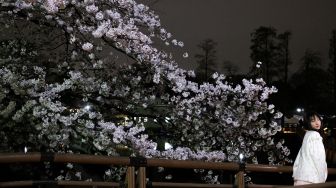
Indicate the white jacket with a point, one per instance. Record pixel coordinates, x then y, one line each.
310 164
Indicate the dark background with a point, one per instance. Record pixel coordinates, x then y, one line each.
230 23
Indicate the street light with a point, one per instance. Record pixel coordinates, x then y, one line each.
299 110
241 157
87 107
240 182
241 162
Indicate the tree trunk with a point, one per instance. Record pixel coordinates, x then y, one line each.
334 62
206 65
266 60
286 58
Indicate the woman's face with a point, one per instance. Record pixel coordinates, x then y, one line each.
315 123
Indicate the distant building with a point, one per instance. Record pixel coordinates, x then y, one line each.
291 124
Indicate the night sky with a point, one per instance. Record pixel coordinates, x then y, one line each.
230 22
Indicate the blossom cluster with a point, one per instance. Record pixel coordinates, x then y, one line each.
74 106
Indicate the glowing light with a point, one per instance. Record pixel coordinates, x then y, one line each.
241 157
299 110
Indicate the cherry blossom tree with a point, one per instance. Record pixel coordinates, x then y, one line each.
69 97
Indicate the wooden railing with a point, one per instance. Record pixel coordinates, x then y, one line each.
140 164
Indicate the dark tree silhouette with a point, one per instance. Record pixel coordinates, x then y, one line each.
230 68
310 83
283 61
284 55
206 59
264 49
332 67
311 60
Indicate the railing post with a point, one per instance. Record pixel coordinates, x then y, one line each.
140 163
141 179
240 180
130 179
240 183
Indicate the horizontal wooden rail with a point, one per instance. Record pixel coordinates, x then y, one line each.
107 160
141 162
63 158
189 185
268 168
153 184
315 185
264 186
95 159
188 164
59 183
126 161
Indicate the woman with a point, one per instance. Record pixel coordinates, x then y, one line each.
310 164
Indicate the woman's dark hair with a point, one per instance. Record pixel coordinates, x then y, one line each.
308 118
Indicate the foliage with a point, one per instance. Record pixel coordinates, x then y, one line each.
312 83
263 49
284 54
206 59
332 65
230 68
271 49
